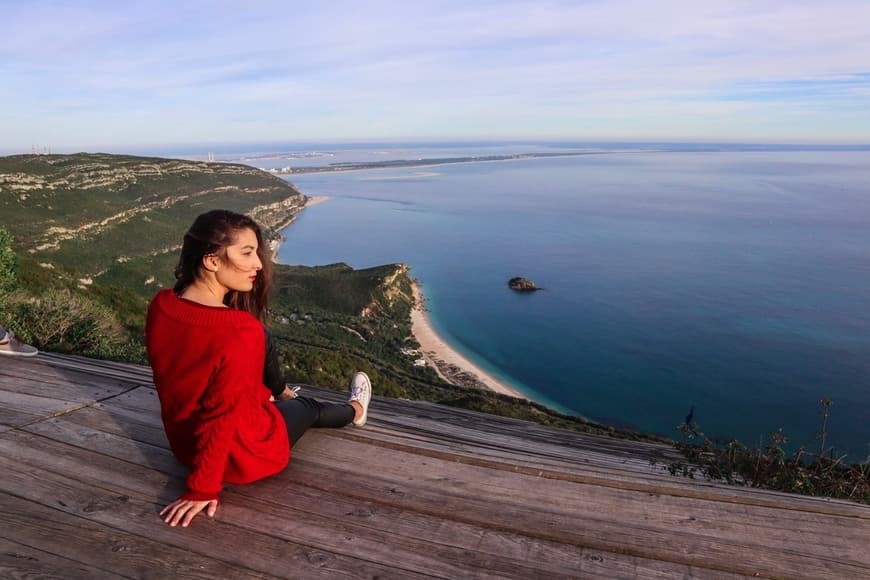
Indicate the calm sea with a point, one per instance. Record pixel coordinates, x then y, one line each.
734 281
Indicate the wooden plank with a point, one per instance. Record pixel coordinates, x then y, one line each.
135 425
659 527
129 404
81 546
63 388
39 371
584 462
406 414
632 538
451 469
679 487
229 549
423 412
12 418
547 558
316 448
20 561
157 457
508 510
338 524
415 460
334 532
61 430
721 491
18 408
109 369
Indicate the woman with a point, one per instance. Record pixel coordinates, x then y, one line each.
206 342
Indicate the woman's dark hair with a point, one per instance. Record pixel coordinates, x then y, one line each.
211 233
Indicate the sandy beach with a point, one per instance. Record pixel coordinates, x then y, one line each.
315 199
448 363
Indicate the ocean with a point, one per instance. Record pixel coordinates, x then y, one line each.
735 281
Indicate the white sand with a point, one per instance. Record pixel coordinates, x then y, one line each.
315 199
433 348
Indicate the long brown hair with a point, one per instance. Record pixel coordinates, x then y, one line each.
211 233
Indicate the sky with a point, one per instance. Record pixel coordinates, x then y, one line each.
87 74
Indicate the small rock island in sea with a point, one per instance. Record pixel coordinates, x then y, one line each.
523 285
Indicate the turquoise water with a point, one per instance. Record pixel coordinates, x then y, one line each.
738 282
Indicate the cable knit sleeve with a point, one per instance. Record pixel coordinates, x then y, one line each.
235 377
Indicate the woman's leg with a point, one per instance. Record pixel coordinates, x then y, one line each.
302 413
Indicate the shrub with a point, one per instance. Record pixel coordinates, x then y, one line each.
8 264
61 320
769 466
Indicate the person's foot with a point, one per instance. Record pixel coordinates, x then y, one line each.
360 393
10 345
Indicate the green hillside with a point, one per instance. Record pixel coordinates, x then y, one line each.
96 235
96 215
87 239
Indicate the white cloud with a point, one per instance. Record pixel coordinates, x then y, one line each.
388 69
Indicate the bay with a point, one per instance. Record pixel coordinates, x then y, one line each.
737 282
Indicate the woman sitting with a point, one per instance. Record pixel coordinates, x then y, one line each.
207 345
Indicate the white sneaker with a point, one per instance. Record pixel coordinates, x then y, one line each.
10 345
361 392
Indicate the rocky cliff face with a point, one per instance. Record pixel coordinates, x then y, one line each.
87 212
394 287
83 171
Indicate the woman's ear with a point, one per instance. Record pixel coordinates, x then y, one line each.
211 263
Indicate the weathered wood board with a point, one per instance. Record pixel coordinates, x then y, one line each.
422 491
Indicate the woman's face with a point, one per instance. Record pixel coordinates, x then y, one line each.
241 265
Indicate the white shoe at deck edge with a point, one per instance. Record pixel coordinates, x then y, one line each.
361 392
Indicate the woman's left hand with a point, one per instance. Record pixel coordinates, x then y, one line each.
285 395
184 510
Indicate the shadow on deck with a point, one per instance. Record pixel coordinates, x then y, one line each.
422 491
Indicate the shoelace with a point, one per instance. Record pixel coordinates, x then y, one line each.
358 391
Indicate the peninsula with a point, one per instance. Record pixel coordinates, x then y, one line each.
404 163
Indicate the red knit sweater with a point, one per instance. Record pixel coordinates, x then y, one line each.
208 368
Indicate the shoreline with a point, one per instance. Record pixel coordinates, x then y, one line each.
424 163
275 244
451 365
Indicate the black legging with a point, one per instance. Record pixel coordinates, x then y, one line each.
271 369
302 412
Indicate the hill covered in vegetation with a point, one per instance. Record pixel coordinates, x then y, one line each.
94 236
87 239
118 219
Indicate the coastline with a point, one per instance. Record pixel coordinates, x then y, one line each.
275 245
450 365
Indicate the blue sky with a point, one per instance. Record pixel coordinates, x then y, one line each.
80 74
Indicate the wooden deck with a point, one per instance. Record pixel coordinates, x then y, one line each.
422 491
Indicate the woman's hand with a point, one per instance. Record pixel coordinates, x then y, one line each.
184 510
287 393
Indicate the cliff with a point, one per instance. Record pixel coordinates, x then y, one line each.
93 214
